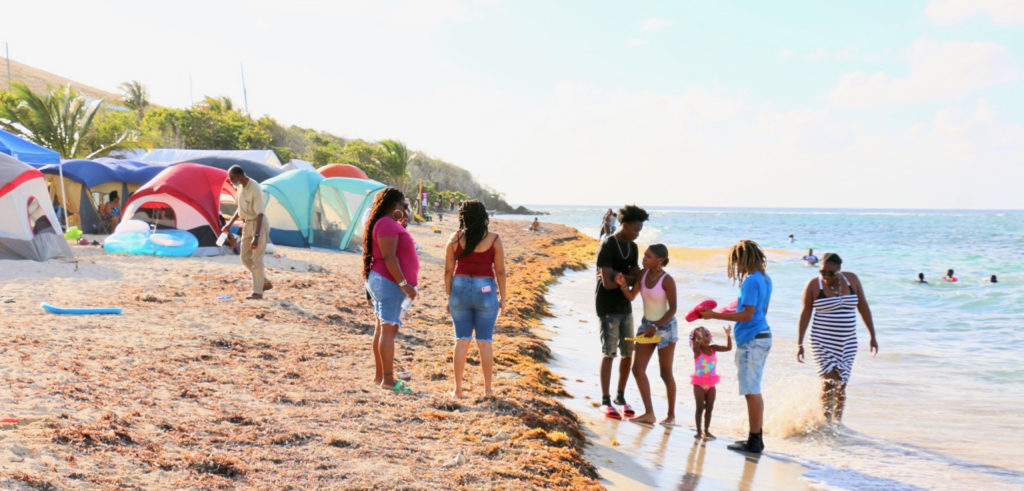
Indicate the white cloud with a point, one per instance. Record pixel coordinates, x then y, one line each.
653 25
784 54
637 42
937 70
817 55
1001 12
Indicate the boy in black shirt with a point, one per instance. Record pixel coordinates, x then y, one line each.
617 254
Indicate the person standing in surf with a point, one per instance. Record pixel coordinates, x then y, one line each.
835 298
753 335
618 254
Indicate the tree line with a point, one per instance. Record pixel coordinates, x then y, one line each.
77 126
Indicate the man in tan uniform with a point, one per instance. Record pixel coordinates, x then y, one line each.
256 230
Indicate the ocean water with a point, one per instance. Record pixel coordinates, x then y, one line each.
941 404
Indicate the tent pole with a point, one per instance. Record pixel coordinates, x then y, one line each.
63 194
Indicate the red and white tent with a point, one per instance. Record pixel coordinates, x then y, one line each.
29 228
186 197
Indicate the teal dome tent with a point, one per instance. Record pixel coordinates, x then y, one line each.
307 210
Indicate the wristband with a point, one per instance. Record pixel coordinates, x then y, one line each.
403 284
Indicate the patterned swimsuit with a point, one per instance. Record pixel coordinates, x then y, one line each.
704 371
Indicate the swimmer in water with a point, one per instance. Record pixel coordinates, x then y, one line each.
920 278
810 258
993 279
949 276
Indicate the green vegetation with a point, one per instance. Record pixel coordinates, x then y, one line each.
60 120
79 127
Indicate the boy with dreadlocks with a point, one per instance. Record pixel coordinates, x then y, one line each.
618 254
753 336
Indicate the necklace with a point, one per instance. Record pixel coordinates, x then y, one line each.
625 255
836 290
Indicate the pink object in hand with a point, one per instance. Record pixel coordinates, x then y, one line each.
694 313
728 309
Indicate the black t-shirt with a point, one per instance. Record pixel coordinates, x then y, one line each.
610 255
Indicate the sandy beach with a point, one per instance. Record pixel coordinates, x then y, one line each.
187 390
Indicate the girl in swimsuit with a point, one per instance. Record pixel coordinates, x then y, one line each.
704 379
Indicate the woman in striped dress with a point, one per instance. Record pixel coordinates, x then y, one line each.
835 298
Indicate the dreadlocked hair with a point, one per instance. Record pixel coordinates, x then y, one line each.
744 258
473 220
384 202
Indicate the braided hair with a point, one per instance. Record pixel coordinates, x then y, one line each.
384 202
473 220
744 258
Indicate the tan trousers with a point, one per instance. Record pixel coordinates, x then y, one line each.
252 259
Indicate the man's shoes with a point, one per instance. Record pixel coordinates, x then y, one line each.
753 444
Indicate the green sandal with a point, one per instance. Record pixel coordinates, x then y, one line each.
401 388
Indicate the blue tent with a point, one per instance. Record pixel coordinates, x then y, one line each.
307 210
89 182
290 198
26 151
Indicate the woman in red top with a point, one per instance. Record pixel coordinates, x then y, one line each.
474 279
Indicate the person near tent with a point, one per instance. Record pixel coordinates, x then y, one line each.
110 212
255 231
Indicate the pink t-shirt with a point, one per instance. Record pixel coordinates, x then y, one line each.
405 252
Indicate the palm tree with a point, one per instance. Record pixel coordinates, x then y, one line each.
395 161
136 97
59 120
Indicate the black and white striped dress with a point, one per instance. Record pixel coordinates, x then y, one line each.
834 331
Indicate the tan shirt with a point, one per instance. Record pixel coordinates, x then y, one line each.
250 201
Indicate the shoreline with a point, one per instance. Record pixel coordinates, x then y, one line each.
632 456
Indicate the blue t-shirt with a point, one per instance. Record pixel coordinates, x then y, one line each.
756 290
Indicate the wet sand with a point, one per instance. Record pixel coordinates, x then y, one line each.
634 456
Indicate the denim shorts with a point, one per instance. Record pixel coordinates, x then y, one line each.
669 332
615 328
750 359
474 307
387 298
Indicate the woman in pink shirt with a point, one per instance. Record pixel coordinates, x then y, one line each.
391 268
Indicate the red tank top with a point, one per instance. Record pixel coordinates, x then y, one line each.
476 263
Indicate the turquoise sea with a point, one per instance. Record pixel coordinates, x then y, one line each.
939 407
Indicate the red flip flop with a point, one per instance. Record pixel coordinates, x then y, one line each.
628 411
694 313
610 412
10 421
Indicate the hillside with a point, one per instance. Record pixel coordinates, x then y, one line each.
215 123
41 80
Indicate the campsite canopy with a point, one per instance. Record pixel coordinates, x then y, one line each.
87 183
169 156
342 170
185 197
26 151
255 170
28 226
305 209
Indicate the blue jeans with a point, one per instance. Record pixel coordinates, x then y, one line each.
387 298
474 307
750 359
669 332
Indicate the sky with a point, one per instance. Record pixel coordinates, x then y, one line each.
866 104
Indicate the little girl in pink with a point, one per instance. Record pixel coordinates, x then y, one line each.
705 377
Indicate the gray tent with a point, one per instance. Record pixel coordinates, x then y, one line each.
28 226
